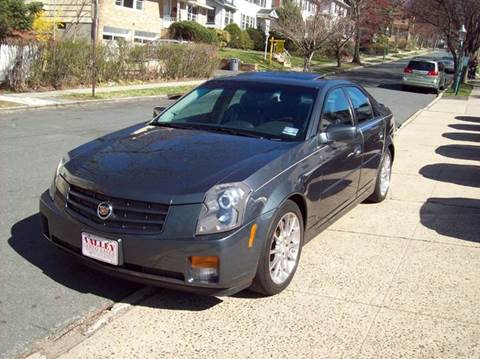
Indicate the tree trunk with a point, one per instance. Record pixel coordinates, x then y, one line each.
339 57
307 59
356 51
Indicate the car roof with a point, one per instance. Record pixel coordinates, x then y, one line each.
426 59
292 78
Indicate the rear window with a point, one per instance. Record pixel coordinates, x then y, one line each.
422 65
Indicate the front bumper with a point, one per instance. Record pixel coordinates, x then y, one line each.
156 260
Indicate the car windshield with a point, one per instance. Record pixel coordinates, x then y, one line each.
422 65
260 110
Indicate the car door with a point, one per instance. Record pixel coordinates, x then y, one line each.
339 170
373 130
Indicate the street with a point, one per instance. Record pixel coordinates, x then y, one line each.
43 290
384 82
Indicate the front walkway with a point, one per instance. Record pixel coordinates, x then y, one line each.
389 280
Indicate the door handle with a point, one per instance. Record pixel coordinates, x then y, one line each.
356 152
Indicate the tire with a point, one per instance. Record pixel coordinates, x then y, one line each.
265 282
405 88
380 192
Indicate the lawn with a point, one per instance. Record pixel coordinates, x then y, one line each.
156 91
464 91
256 57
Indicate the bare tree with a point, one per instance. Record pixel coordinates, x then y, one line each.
447 16
307 35
83 10
344 31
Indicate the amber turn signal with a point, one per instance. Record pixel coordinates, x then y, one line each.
251 240
204 261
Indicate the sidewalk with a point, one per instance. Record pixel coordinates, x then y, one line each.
52 98
396 279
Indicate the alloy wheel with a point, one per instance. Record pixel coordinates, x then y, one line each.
385 174
285 248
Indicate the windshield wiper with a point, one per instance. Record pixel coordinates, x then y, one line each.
232 131
170 124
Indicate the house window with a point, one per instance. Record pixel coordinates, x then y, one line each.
192 13
247 21
144 37
115 33
211 16
261 3
132 4
228 16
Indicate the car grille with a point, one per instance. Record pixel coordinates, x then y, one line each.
128 215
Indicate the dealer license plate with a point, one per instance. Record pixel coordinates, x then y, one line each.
102 249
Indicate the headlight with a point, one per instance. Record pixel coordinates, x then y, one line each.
53 186
223 208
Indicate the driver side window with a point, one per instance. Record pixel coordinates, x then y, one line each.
336 110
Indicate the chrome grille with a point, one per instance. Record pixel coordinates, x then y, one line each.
128 215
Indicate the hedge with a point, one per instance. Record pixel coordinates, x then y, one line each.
66 64
192 31
238 39
258 38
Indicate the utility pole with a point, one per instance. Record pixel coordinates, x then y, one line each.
94 44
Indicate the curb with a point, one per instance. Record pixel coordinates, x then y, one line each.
78 102
416 114
67 338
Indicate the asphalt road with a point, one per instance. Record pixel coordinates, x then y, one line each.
384 82
43 290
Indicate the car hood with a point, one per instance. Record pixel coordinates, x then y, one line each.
167 165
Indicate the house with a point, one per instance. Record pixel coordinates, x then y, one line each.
146 20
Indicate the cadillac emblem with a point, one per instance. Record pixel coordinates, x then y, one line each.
104 210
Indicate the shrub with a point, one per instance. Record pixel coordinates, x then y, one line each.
67 63
246 41
192 31
186 61
223 37
235 35
239 39
258 38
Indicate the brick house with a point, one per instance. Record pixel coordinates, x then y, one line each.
146 20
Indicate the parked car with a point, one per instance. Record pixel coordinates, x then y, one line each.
424 73
449 64
221 190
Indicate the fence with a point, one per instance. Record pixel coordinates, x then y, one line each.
7 57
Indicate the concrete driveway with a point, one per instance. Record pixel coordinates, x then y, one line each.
390 280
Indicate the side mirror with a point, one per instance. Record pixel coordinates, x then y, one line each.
157 110
339 133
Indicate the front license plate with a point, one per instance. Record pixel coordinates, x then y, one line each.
102 249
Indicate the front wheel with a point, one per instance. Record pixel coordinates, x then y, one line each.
281 253
383 179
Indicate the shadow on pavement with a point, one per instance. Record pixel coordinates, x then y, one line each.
465 127
468 119
462 136
175 300
400 87
455 217
464 175
27 240
461 152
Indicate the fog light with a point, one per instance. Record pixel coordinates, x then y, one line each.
204 269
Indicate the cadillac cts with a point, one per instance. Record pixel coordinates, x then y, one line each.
221 190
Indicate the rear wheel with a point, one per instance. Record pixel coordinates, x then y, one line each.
383 179
281 253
